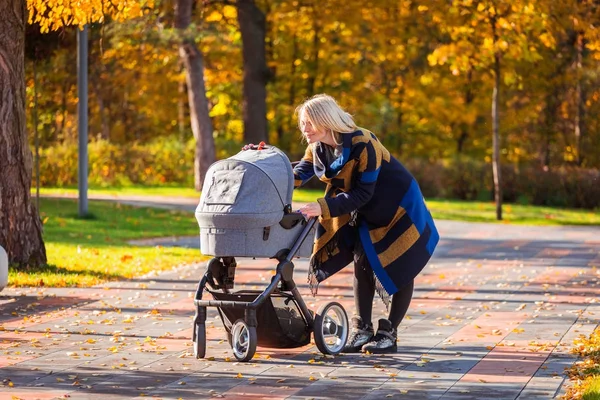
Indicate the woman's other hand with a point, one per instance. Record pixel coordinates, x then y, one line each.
311 210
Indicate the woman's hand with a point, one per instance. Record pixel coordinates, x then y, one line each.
252 146
311 210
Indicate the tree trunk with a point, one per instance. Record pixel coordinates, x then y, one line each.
20 225
387 95
548 126
400 121
288 120
579 99
193 61
496 139
314 65
181 123
102 110
60 133
256 73
464 128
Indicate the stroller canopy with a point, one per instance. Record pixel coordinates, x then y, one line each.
250 188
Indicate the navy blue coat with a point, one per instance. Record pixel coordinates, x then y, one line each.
370 197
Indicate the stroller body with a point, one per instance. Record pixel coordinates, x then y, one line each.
243 205
245 211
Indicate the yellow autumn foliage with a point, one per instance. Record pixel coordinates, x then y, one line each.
54 14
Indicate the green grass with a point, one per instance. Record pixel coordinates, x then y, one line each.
472 211
478 211
84 252
165 190
592 390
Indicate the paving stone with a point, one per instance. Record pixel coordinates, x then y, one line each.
493 315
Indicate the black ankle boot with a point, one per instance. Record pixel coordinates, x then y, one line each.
384 340
360 334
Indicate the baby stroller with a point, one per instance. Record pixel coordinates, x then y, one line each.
245 211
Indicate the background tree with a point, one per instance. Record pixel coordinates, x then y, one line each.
193 62
252 25
574 24
484 34
20 225
374 58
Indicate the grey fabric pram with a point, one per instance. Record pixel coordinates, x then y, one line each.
245 211
245 207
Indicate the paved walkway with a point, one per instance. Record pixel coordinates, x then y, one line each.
494 315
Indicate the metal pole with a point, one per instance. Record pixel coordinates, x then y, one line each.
82 109
37 139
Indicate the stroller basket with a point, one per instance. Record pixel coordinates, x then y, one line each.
280 321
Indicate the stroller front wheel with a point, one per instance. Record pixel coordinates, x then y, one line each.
331 328
199 340
243 340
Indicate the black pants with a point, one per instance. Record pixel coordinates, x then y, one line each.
364 291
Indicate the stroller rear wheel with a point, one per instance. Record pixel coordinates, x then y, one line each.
243 340
331 328
199 340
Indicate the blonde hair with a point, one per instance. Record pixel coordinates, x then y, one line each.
323 112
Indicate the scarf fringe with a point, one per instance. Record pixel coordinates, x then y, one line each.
383 294
315 275
313 283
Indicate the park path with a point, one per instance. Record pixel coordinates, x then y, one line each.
494 315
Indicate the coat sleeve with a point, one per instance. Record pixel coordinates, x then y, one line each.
364 181
304 170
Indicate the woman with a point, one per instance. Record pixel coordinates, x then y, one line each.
373 213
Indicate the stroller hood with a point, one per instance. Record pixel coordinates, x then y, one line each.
250 188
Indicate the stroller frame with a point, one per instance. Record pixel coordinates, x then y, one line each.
281 283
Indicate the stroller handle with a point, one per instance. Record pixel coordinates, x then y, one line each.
307 228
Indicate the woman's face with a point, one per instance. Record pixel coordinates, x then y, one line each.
311 134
